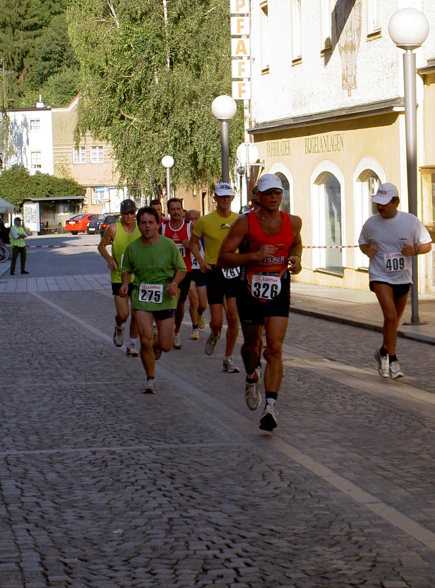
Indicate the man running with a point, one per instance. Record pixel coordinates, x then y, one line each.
270 249
197 290
390 239
221 284
178 231
119 235
157 269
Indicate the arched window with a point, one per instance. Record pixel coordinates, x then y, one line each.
328 232
366 187
285 202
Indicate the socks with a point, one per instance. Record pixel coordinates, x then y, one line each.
383 352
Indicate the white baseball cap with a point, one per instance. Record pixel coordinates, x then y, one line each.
385 193
268 182
224 189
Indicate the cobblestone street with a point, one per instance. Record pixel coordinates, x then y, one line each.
104 486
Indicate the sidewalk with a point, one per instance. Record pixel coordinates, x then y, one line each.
360 308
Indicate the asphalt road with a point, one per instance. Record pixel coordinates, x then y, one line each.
101 485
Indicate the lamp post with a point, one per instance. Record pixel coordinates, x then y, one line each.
408 29
224 108
247 154
168 162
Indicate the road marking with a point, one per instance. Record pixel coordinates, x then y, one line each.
244 426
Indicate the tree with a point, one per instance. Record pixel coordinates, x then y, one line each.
16 184
148 78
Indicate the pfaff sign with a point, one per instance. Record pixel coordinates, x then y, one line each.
240 49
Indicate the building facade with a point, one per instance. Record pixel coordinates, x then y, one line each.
327 115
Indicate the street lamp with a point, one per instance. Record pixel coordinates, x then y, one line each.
168 162
408 29
224 108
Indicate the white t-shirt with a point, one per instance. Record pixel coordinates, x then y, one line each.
389 236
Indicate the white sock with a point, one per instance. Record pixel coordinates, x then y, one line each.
270 401
132 341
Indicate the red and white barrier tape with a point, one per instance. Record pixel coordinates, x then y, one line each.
93 245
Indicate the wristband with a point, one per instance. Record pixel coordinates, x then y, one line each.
174 282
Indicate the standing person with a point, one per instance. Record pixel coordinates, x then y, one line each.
119 235
390 238
157 205
178 230
270 249
197 290
17 238
156 267
221 284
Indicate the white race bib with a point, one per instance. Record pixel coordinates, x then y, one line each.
231 272
151 293
265 287
195 264
181 249
394 262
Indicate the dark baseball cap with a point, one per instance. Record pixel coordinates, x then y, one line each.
127 206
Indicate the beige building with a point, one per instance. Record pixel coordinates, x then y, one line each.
327 115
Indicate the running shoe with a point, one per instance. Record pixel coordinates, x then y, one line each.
395 371
201 321
268 421
195 335
177 341
383 364
151 386
210 344
118 336
131 350
253 395
229 366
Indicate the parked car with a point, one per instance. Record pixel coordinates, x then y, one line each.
108 219
94 226
79 222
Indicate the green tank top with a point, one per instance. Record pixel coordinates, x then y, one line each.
119 244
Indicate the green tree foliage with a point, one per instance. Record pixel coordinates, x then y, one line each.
34 45
148 82
16 184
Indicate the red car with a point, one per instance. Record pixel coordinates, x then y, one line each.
79 222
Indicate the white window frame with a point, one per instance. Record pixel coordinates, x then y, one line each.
79 154
97 154
264 36
35 124
326 24
373 17
296 8
35 160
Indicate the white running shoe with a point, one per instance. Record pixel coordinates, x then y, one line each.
269 421
383 364
131 350
118 336
228 366
177 341
395 371
150 386
210 344
195 335
252 394
201 321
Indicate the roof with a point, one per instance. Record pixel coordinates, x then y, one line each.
54 198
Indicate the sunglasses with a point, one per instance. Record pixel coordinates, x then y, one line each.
276 191
130 212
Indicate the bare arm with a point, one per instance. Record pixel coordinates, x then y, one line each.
369 249
295 253
412 249
237 232
194 246
106 240
126 279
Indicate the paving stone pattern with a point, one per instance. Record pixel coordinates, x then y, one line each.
101 485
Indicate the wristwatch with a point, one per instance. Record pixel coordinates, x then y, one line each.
417 250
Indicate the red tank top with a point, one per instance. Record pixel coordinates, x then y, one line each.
178 236
261 276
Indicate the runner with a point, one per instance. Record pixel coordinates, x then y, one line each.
156 267
119 235
197 290
390 239
221 284
178 231
270 248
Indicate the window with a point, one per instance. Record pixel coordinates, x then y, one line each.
97 154
79 154
264 37
35 124
326 24
96 196
285 202
366 187
327 232
373 19
296 30
35 160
